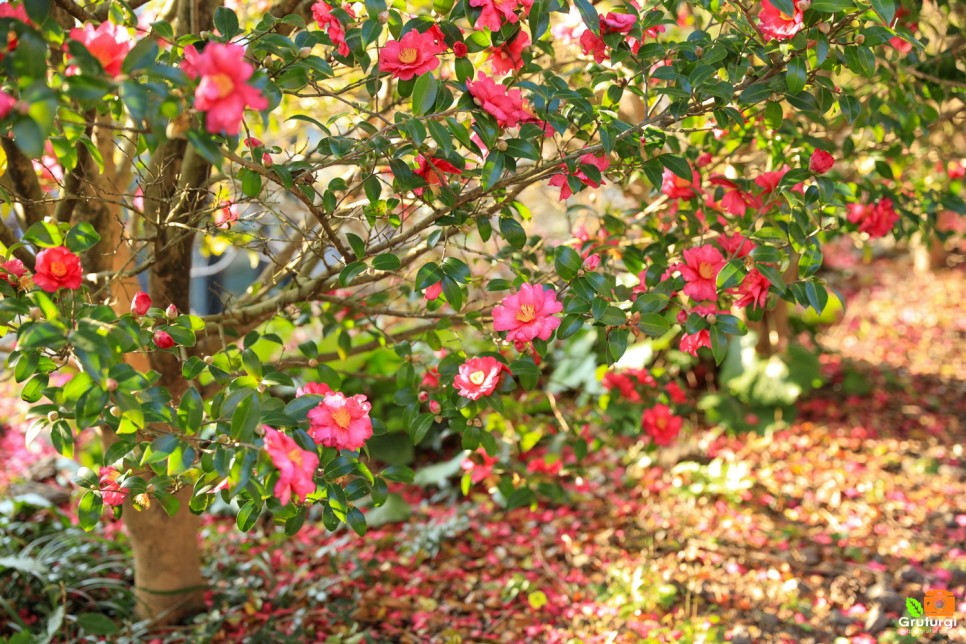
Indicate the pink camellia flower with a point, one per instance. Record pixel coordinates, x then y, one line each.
496 12
775 25
11 271
163 340
224 92
412 55
821 161
675 393
341 422
57 268
677 188
753 290
435 172
690 343
225 215
431 378
460 50
735 200
661 425
736 245
479 377
296 466
700 271
316 388
611 23
108 43
504 104
111 491
592 262
433 291
7 103
876 220
334 28
528 314
560 180
140 303
509 56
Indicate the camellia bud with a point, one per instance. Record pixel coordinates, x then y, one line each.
824 27
111 384
53 417
305 52
383 17
141 303
260 430
423 396
859 39
501 145
36 313
171 312
163 340
804 4
224 439
682 316
313 363
142 502
699 50
592 262
208 359
459 49
712 318
434 406
115 411
150 488
261 387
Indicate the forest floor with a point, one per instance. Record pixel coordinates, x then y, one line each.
817 532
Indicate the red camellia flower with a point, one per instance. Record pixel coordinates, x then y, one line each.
224 92
956 170
163 340
528 314
296 466
775 25
504 104
108 43
821 161
677 188
496 12
140 303
7 103
412 55
661 425
509 56
876 220
690 343
111 491
768 181
735 200
334 28
341 422
479 377
460 50
57 268
700 272
560 180
753 290
611 23
433 291
736 245
434 172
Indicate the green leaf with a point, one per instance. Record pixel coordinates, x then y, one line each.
797 75
886 10
44 235
245 418
96 624
247 516
226 22
654 325
513 232
493 169
453 293
82 237
567 262
678 165
142 55
589 15
386 262
526 371
569 326
356 521
731 274
787 7
420 427
831 6
350 272
89 510
424 94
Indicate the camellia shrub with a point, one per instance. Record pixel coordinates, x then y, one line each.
439 202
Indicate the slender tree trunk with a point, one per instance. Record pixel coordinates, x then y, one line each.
928 255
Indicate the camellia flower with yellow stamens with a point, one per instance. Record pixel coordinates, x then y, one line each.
479 377
341 422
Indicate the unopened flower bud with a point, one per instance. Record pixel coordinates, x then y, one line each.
150 488
171 312
313 363
711 318
501 145
305 52
142 502
859 39
115 411
824 27
699 51
383 17
434 406
423 396
35 313
53 417
804 4
111 384
260 430
208 360
224 439
205 35
163 340
261 387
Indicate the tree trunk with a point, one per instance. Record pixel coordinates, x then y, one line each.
928 255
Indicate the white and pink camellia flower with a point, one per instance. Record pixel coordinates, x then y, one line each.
661 425
528 314
774 25
224 92
478 377
108 43
296 466
341 422
700 272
